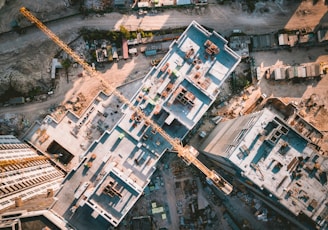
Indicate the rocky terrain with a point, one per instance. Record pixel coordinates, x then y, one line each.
25 71
44 9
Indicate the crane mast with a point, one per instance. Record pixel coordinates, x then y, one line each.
187 153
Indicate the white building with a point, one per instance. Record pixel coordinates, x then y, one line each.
113 163
276 158
24 173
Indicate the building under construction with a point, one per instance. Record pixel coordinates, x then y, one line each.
110 171
277 158
24 173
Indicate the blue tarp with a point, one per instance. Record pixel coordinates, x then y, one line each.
150 52
183 2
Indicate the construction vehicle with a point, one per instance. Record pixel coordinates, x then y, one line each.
187 153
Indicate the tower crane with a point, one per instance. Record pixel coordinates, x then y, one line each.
187 153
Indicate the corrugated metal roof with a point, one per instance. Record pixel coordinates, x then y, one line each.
125 48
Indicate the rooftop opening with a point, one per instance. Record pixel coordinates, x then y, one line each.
59 152
37 222
284 148
277 168
262 152
112 189
283 129
270 126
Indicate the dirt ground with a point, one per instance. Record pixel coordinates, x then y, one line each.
27 68
43 9
308 16
115 74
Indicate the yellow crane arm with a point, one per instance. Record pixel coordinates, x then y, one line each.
188 153
5 163
57 40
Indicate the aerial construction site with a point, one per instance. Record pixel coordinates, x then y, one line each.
168 89
180 142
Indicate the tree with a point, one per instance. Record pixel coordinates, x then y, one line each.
125 32
66 63
239 82
113 36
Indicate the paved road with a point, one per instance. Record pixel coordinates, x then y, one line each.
220 18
